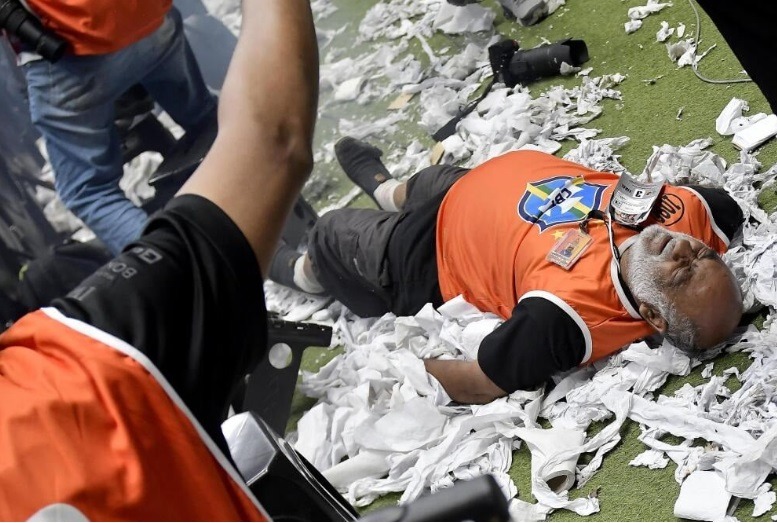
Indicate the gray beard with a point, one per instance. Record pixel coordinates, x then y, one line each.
644 283
643 274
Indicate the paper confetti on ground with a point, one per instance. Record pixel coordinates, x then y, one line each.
383 425
379 381
377 394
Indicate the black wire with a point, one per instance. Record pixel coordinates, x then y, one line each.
695 66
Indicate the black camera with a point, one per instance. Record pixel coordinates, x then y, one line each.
22 24
512 65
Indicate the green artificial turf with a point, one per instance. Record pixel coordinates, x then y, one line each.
653 94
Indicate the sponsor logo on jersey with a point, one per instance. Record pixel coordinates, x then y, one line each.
668 210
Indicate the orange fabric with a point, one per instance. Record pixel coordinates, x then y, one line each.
491 254
86 425
101 26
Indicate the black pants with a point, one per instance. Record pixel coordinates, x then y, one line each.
348 246
747 26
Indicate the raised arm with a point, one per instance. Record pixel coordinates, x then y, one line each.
262 155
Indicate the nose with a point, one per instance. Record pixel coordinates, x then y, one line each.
683 250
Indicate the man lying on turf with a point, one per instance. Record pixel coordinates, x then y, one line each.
492 234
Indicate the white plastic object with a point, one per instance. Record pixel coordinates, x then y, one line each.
751 137
732 111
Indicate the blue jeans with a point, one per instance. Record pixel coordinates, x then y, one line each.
72 106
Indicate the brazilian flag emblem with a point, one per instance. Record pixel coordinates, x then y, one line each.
558 200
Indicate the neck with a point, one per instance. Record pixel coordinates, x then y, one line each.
624 279
625 263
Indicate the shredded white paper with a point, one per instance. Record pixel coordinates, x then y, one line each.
377 401
382 424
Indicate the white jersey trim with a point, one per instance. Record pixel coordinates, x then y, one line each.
714 225
128 350
572 313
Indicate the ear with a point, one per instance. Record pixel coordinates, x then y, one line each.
653 317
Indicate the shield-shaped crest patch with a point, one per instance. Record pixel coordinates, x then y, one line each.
558 200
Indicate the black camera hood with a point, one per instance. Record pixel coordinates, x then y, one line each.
512 65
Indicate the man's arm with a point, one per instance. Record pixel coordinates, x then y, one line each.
539 340
464 381
262 155
188 293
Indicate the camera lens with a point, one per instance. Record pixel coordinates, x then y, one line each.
19 22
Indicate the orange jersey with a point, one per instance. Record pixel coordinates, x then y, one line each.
101 26
498 223
88 422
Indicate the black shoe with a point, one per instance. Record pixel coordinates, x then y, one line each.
361 162
282 266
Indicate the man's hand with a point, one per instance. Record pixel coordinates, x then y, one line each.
464 381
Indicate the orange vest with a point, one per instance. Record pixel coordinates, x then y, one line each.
101 26
492 249
87 421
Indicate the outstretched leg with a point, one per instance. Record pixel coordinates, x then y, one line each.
293 269
361 163
345 258
346 248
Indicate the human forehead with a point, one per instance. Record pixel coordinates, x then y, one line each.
713 301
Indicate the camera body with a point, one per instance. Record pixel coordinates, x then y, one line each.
22 24
500 55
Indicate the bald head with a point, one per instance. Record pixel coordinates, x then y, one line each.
684 289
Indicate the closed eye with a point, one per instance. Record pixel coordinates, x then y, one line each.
707 254
683 274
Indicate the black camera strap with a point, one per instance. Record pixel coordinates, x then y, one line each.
499 55
450 128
